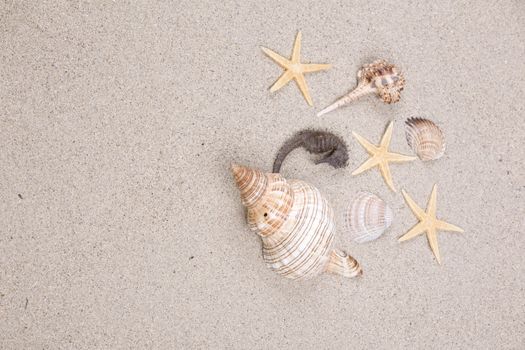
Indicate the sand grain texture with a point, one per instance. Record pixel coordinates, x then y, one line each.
121 226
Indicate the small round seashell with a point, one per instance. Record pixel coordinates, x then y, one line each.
367 217
425 138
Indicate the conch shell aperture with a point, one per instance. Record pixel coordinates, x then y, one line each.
296 225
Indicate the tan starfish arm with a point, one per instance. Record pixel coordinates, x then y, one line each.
428 222
420 213
385 171
296 52
276 57
314 67
413 232
282 81
294 69
432 240
431 206
398 158
369 163
304 89
387 136
370 148
445 226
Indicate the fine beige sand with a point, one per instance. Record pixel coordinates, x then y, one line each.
121 227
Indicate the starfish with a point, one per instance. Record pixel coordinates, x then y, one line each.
427 222
294 69
380 156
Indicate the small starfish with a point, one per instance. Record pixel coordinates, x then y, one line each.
427 222
380 156
294 69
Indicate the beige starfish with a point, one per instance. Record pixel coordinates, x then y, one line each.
427 222
380 156
294 69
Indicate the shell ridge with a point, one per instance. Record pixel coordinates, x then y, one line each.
425 138
295 222
294 258
367 217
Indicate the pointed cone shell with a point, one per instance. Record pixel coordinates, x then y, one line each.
361 90
268 198
367 218
296 225
379 77
251 182
425 138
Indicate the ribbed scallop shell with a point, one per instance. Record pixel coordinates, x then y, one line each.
295 223
367 217
425 138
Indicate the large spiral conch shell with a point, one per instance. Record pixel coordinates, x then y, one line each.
295 223
425 138
379 77
367 217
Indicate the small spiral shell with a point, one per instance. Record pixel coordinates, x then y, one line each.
252 184
379 77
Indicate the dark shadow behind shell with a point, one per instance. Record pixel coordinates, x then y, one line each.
332 148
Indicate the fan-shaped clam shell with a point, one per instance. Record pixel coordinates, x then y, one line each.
367 217
295 223
425 138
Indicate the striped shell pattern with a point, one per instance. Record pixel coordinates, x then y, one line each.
379 77
295 223
425 138
367 217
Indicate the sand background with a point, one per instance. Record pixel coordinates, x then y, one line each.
121 226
